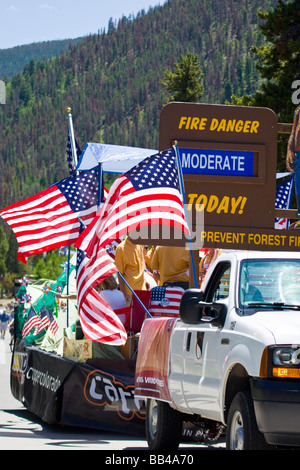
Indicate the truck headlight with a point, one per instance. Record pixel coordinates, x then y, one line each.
286 356
287 359
281 362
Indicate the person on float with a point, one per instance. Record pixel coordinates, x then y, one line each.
172 265
293 157
129 261
108 289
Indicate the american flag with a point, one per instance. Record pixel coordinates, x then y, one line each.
53 325
98 321
165 301
49 219
32 321
283 200
47 320
111 248
44 319
147 194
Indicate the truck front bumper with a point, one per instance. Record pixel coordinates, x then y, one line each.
277 410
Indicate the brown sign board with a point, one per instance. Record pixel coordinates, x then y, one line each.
228 156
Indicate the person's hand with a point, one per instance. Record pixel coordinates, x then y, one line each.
290 158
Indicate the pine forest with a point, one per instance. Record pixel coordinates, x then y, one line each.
112 82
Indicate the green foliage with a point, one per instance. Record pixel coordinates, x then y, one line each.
244 100
186 81
279 59
49 266
4 246
278 62
14 59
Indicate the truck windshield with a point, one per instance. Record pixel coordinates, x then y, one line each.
267 283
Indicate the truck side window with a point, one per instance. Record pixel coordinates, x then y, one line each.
220 284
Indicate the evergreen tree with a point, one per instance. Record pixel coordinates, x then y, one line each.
49 266
279 59
278 64
4 246
185 83
228 91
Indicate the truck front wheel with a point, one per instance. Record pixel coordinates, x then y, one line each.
242 432
163 426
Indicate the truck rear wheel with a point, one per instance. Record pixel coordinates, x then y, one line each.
242 432
163 426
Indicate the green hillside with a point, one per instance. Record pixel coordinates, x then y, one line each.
14 59
112 83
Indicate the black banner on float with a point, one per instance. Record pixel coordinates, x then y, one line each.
37 379
19 364
100 394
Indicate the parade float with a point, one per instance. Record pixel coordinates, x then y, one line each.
56 372
59 371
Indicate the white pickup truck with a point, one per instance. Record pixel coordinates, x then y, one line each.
232 359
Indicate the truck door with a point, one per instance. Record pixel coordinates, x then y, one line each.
202 370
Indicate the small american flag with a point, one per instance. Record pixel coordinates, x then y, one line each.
44 323
111 248
283 200
147 194
49 219
32 321
53 325
165 301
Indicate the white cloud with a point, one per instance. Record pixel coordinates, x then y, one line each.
46 6
14 9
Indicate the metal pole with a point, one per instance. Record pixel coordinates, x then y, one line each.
182 190
75 161
71 130
137 298
100 189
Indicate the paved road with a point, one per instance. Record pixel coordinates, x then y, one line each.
21 430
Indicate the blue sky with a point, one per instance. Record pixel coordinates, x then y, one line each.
27 21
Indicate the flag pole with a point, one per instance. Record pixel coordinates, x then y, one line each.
100 188
75 161
137 298
72 138
182 190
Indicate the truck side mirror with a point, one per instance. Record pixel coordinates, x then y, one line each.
190 310
217 311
